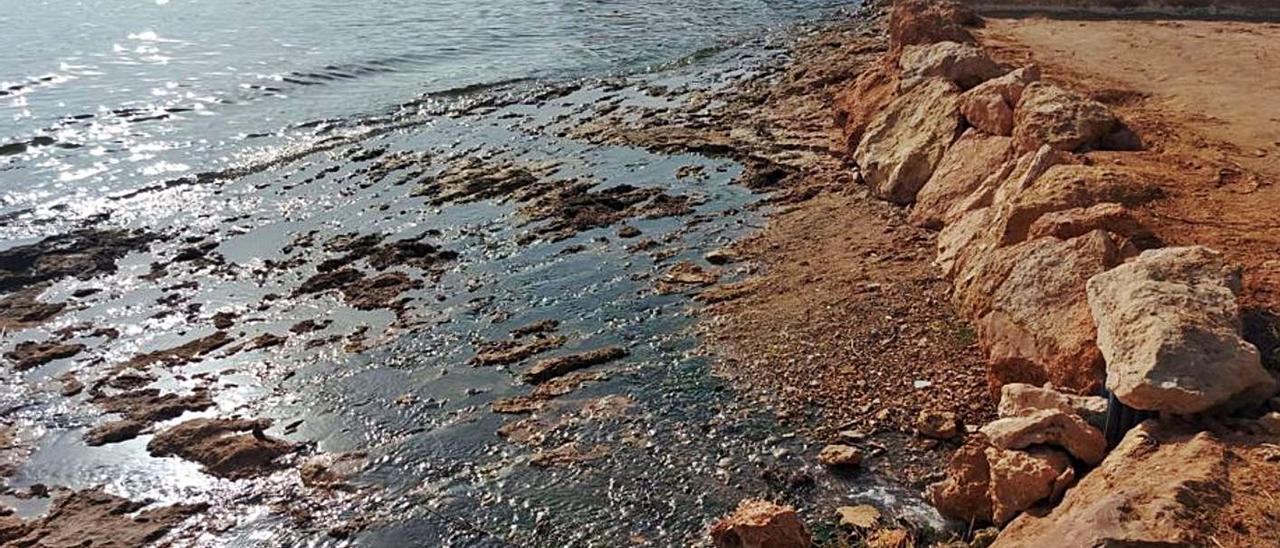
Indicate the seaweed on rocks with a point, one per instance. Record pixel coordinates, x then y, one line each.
82 254
22 308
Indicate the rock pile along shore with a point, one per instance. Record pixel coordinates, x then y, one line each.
1073 298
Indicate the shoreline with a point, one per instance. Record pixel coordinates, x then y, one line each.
852 319
1091 206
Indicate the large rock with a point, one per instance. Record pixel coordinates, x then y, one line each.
1169 327
964 65
856 105
1049 115
987 484
1026 343
1049 427
1111 217
1165 486
927 21
968 232
904 144
962 493
761 524
1017 399
1020 479
989 106
1065 187
972 159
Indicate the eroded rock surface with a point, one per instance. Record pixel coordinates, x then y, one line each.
761 524
904 144
1049 427
989 105
1169 327
1049 115
94 518
1165 485
964 65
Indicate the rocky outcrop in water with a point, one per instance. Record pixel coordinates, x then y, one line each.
228 448
95 518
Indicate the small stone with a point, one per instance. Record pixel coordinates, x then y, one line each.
720 257
862 516
852 435
940 425
1270 423
840 455
921 384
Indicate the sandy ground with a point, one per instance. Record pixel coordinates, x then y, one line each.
1203 96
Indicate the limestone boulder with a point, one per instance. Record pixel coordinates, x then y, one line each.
988 484
1164 485
1049 115
962 493
989 105
925 22
1026 343
970 161
1066 187
1170 330
969 231
1109 216
1021 479
1049 427
761 524
965 65
904 144
857 105
1017 399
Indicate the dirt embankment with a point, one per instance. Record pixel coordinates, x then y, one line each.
1027 158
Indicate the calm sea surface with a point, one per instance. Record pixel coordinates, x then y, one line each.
103 96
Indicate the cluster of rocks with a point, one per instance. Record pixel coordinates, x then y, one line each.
1048 258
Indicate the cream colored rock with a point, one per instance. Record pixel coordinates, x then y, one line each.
1069 223
903 144
1169 327
1038 327
1049 427
761 524
971 234
988 484
1049 115
1020 479
964 65
989 106
1017 399
1066 187
861 516
941 425
971 160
